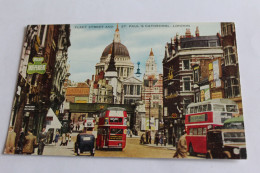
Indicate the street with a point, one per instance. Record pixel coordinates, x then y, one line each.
133 149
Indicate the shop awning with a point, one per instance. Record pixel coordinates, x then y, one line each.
53 122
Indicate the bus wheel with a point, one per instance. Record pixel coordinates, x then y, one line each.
191 151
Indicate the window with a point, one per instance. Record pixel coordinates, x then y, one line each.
204 131
192 110
229 55
196 109
195 131
218 107
115 120
186 64
191 131
196 75
138 89
232 88
156 97
125 89
186 84
231 108
204 109
116 131
199 131
209 107
212 44
131 89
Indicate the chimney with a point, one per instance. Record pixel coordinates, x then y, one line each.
187 33
197 32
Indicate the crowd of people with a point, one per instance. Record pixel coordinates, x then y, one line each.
27 143
181 148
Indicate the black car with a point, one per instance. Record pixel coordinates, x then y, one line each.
226 143
85 143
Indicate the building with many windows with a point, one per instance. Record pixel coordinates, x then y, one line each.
230 68
191 69
152 91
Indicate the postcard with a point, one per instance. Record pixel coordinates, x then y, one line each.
141 90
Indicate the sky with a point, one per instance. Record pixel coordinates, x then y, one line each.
88 41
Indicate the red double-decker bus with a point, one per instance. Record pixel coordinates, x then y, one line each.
112 127
203 116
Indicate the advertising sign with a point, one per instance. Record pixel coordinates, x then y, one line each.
204 93
153 124
37 66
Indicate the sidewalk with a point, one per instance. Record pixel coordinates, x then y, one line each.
52 150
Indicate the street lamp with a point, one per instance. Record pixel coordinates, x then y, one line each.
138 73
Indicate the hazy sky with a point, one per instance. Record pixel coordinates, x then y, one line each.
88 41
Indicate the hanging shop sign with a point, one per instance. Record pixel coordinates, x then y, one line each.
37 66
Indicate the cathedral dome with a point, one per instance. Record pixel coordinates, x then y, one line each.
120 50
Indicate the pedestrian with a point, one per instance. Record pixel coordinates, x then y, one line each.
142 139
63 139
161 139
70 137
71 127
146 137
173 140
42 141
150 138
67 138
10 141
128 132
56 139
181 151
131 133
156 138
164 140
30 143
21 141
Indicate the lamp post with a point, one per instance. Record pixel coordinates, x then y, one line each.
149 113
138 73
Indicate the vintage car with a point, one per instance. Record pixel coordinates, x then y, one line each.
226 143
234 123
85 143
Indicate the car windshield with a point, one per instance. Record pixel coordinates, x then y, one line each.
238 125
234 137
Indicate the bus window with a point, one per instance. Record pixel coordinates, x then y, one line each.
199 131
209 107
200 108
195 131
191 110
231 108
116 131
115 120
218 107
204 131
196 109
191 131
204 108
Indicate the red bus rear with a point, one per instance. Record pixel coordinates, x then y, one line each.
203 116
112 128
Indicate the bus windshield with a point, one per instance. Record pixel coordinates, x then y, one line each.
233 137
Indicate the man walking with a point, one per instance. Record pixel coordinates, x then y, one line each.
42 141
10 142
181 151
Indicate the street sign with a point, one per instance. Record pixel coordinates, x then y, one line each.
29 108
